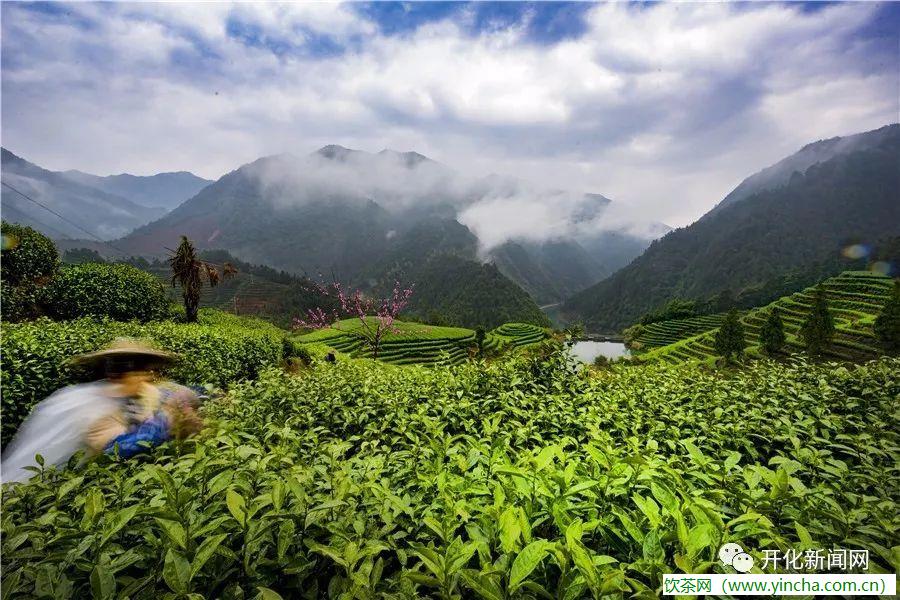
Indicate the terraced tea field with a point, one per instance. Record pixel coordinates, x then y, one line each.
517 334
855 298
664 333
416 343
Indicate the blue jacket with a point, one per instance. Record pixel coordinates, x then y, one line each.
154 431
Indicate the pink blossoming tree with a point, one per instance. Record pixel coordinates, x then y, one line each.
376 315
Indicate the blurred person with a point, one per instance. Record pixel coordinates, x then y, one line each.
124 413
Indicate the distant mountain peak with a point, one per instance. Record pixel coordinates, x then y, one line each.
341 153
782 172
336 152
410 159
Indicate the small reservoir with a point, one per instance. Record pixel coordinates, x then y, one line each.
587 350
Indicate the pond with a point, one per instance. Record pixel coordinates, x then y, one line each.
587 351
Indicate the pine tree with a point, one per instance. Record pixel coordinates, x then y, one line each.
479 340
729 339
818 328
772 333
887 324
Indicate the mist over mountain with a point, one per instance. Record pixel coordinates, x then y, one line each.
789 220
781 172
337 212
163 190
106 215
108 207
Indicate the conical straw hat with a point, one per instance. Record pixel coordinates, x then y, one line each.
125 347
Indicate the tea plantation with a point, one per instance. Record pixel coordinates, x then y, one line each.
415 343
668 332
854 298
524 478
219 349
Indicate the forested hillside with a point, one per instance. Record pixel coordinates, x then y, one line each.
790 231
105 215
464 293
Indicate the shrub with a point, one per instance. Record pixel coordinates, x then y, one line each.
120 292
771 334
729 339
363 480
35 355
887 324
27 255
818 328
20 302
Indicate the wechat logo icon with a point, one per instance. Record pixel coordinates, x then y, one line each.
732 555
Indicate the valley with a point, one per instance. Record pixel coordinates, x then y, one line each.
449 300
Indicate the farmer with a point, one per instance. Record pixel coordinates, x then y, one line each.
122 413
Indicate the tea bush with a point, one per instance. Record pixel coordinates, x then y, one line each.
20 302
120 292
27 254
34 358
525 478
29 260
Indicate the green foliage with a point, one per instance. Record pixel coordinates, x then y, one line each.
479 340
729 340
118 291
516 479
771 335
417 343
77 256
187 273
676 308
663 333
818 328
20 302
27 255
218 350
464 293
791 234
29 260
887 324
854 299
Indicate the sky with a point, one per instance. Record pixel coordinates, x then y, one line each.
662 107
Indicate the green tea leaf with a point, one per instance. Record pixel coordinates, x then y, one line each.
117 522
174 531
526 561
205 551
236 506
103 583
176 571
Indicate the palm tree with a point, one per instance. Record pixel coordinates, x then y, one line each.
188 271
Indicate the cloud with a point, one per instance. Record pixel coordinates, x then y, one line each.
497 209
662 107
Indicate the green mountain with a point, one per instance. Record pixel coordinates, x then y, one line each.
108 207
554 270
794 226
364 219
455 291
163 190
105 215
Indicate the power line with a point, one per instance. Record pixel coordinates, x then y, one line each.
75 225
30 218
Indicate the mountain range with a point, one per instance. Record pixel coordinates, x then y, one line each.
793 221
354 216
107 207
481 247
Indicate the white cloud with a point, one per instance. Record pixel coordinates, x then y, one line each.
663 108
